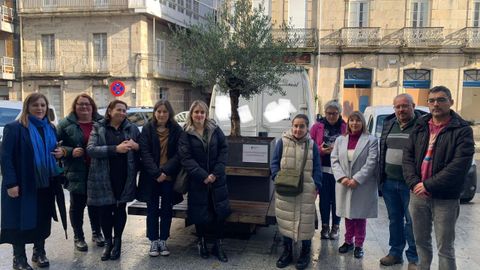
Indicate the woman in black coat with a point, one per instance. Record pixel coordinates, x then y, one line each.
160 165
29 169
203 153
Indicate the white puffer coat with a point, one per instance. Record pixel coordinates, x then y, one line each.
296 214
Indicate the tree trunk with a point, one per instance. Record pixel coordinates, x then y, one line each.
235 118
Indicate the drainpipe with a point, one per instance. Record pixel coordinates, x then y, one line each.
20 54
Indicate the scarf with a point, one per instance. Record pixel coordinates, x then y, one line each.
44 162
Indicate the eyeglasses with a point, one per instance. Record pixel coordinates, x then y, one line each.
331 113
83 104
438 100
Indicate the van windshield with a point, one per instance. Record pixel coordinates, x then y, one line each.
8 115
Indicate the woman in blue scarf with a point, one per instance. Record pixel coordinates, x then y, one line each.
28 164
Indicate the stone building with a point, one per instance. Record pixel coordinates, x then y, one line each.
7 48
372 50
74 46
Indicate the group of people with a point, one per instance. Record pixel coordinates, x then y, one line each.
419 164
100 158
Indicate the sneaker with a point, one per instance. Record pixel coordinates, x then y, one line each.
162 247
358 252
154 249
345 248
333 235
98 239
390 260
80 244
412 266
324 232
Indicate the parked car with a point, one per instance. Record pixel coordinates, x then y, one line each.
137 115
10 111
375 116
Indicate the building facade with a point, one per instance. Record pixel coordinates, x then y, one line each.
8 50
372 50
74 46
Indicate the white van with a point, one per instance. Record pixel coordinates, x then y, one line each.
264 114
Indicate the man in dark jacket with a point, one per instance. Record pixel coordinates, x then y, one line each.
435 162
396 193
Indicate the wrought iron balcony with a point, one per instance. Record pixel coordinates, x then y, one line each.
422 37
181 12
360 37
6 22
472 38
8 68
43 6
163 68
305 38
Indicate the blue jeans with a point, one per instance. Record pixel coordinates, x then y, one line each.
397 196
164 190
443 215
327 200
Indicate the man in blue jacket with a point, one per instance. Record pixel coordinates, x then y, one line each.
435 162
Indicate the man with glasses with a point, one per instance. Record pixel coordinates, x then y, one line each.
396 193
436 159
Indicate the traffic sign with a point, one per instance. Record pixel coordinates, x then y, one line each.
117 88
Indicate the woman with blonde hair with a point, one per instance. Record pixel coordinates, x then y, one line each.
354 165
203 151
28 164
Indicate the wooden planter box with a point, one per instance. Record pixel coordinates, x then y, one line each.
248 168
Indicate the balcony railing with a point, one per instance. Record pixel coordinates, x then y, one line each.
302 37
70 64
472 37
360 36
422 37
168 69
8 64
36 6
7 14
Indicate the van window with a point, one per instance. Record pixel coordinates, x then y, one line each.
370 124
379 127
8 115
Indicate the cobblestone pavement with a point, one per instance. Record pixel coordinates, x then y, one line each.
259 251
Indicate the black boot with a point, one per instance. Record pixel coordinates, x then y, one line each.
107 249
202 248
80 244
286 257
20 258
98 239
304 259
39 256
218 251
20 263
117 248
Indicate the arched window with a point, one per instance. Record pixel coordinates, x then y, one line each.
416 78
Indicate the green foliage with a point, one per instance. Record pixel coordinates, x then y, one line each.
237 49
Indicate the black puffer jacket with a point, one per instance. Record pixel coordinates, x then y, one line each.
387 126
150 159
199 163
452 157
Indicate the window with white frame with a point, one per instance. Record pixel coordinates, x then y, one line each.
160 63
358 13
163 93
172 4
196 9
188 8
476 13
100 51
419 13
48 52
181 5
